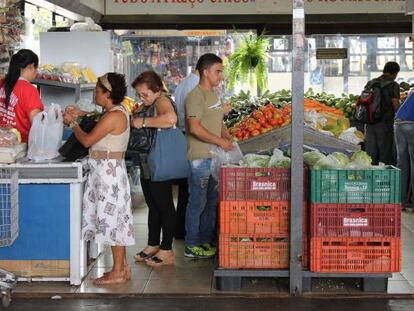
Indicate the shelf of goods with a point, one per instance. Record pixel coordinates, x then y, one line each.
48 246
355 225
254 225
77 87
281 137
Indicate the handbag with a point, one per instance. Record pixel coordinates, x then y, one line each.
72 149
141 139
168 156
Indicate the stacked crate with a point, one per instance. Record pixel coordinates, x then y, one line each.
355 221
254 218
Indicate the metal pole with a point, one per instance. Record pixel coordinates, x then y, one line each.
296 213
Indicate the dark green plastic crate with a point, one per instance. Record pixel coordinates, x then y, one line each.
356 186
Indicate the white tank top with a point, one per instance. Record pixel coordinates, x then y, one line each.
114 143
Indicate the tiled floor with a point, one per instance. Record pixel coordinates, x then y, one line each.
195 276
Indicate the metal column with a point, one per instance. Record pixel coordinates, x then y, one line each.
296 231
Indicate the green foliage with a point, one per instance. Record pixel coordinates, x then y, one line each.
241 63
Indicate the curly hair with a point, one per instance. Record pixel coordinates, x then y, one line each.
118 85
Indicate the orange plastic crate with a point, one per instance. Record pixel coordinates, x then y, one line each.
355 220
257 217
263 251
355 255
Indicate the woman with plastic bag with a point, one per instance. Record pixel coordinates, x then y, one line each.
107 214
159 113
19 99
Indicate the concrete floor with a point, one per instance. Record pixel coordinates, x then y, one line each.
195 276
224 304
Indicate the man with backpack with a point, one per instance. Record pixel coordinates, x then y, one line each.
379 132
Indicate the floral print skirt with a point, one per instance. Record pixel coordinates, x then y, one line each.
107 214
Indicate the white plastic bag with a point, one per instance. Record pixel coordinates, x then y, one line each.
45 136
221 157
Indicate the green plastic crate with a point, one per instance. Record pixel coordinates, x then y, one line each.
356 186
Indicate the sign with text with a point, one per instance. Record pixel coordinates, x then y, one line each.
249 7
331 53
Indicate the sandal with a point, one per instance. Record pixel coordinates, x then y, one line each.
142 256
155 261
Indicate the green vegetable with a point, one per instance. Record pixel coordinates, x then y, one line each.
360 160
284 162
342 158
329 162
310 158
255 160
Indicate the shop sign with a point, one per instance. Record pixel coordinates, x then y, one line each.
180 33
331 53
249 7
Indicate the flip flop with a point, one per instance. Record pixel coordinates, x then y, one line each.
155 261
141 256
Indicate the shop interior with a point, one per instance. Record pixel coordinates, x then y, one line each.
173 54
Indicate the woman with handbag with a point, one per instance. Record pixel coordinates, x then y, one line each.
106 212
157 112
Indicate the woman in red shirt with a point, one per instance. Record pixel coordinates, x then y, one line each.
19 99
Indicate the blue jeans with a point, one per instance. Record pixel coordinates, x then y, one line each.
201 214
404 140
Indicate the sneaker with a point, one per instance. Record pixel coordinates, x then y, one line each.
198 252
209 247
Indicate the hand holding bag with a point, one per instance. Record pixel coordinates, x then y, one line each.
168 156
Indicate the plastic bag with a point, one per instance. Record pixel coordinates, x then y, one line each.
221 157
352 135
279 160
45 136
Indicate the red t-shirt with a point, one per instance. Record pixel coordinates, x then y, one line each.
23 100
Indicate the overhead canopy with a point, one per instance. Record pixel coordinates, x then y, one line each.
323 17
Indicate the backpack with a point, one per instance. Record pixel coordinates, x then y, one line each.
368 107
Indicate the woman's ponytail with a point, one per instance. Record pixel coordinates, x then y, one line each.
19 61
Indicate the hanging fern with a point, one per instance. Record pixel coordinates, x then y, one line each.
249 61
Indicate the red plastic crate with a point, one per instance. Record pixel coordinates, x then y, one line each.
354 255
256 184
355 220
257 217
262 251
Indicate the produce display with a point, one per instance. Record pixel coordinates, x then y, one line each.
68 72
253 116
315 160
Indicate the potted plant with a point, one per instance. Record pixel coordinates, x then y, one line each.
249 61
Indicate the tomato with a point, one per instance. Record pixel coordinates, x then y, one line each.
258 126
264 130
273 122
268 114
262 121
258 115
280 121
277 115
255 133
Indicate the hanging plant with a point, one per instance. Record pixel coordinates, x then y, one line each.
249 61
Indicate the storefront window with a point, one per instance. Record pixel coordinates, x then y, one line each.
172 54
367 55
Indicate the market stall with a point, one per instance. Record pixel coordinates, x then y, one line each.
48 245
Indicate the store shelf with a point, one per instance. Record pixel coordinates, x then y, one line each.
64 88
81 86
282 137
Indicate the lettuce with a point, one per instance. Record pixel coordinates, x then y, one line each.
341 157
255 160
312 157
